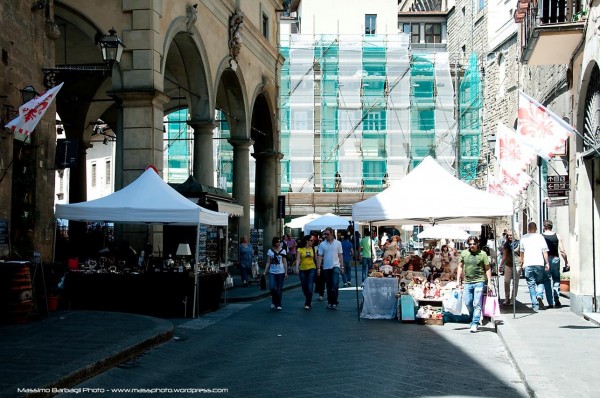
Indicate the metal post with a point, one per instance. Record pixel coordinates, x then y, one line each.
457 116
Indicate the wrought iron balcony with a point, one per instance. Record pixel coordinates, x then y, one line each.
551 30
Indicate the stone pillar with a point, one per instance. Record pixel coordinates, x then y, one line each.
265 197
141 144
203 151
241 180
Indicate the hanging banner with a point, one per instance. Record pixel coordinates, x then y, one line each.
31 113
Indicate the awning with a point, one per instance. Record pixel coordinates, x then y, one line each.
231 208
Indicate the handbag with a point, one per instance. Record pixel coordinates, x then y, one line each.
453 301
263 282
491 307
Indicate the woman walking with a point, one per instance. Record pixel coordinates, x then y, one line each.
277 268
246 257
305 262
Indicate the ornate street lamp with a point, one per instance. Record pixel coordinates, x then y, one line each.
111 47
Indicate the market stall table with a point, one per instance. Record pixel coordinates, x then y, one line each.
167 294
379 298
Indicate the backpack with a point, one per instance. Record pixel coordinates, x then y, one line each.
275 258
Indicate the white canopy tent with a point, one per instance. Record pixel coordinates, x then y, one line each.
443 232
147 200
429 194
324 221
299 222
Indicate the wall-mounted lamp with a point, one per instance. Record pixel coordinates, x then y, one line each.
111 47
28 93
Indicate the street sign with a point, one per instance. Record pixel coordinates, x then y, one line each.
558 193
557 202
557 178
557 185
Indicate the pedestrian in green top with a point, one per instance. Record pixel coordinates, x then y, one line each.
366 253
475 265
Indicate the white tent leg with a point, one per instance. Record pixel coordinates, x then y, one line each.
196 271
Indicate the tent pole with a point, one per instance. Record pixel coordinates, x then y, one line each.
196 270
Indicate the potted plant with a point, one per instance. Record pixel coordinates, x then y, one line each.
565 282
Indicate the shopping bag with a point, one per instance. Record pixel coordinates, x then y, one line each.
452 301
263 282
491 307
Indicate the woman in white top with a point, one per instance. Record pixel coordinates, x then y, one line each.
277 268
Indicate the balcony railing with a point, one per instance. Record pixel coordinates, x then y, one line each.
547 17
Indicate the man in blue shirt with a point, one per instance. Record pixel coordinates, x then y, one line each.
348 255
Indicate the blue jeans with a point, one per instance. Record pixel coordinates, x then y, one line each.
307 279
537 281
347 275
472 296
245 273
276 286
367 264
555 274
332 281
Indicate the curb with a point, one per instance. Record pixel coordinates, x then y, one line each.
520 372
110 361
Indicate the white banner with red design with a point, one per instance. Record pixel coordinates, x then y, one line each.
540 128
31 113
513 158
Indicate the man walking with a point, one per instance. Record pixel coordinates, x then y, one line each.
330 255
534 257
475 265
348 254
555 246
510 270
366 253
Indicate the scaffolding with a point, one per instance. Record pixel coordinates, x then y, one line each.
360 111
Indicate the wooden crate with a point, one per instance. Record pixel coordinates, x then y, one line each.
430 321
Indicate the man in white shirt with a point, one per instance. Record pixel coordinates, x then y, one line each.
331 255
534 257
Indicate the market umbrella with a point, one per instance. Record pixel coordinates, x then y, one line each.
443 232
326 220
301 221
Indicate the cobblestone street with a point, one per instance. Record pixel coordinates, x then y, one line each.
252 350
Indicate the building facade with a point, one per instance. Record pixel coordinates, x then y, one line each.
365 98
203 57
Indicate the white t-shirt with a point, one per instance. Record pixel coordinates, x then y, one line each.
277 261
533 247
330 253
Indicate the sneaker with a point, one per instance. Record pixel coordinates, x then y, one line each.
279 308
272 306
334 307
541 303
349 283
473 329
321 298
306 307
506 302
550 306
329 306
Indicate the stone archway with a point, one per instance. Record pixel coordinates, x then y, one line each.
231 102
268 156
81 101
